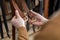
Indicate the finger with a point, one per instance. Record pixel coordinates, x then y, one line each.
17 13
26 19
37 23
37 15
30 21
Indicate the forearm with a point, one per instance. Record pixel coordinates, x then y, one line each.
22 34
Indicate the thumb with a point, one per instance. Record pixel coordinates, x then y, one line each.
34 12
17 14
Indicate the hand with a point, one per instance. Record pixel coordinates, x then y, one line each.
17 20
40 20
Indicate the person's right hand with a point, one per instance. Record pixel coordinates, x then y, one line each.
40 19
17 20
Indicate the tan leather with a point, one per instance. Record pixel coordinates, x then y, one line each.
22 34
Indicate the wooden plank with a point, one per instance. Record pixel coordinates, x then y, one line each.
46 8
5 6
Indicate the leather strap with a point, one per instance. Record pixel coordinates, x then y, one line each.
26 9
17 8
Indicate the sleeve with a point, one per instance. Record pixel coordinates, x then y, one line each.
22 34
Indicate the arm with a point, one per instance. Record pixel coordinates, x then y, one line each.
18 22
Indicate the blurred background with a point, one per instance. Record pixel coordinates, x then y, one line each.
44 7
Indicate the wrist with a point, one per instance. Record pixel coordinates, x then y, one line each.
19 26
22 26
